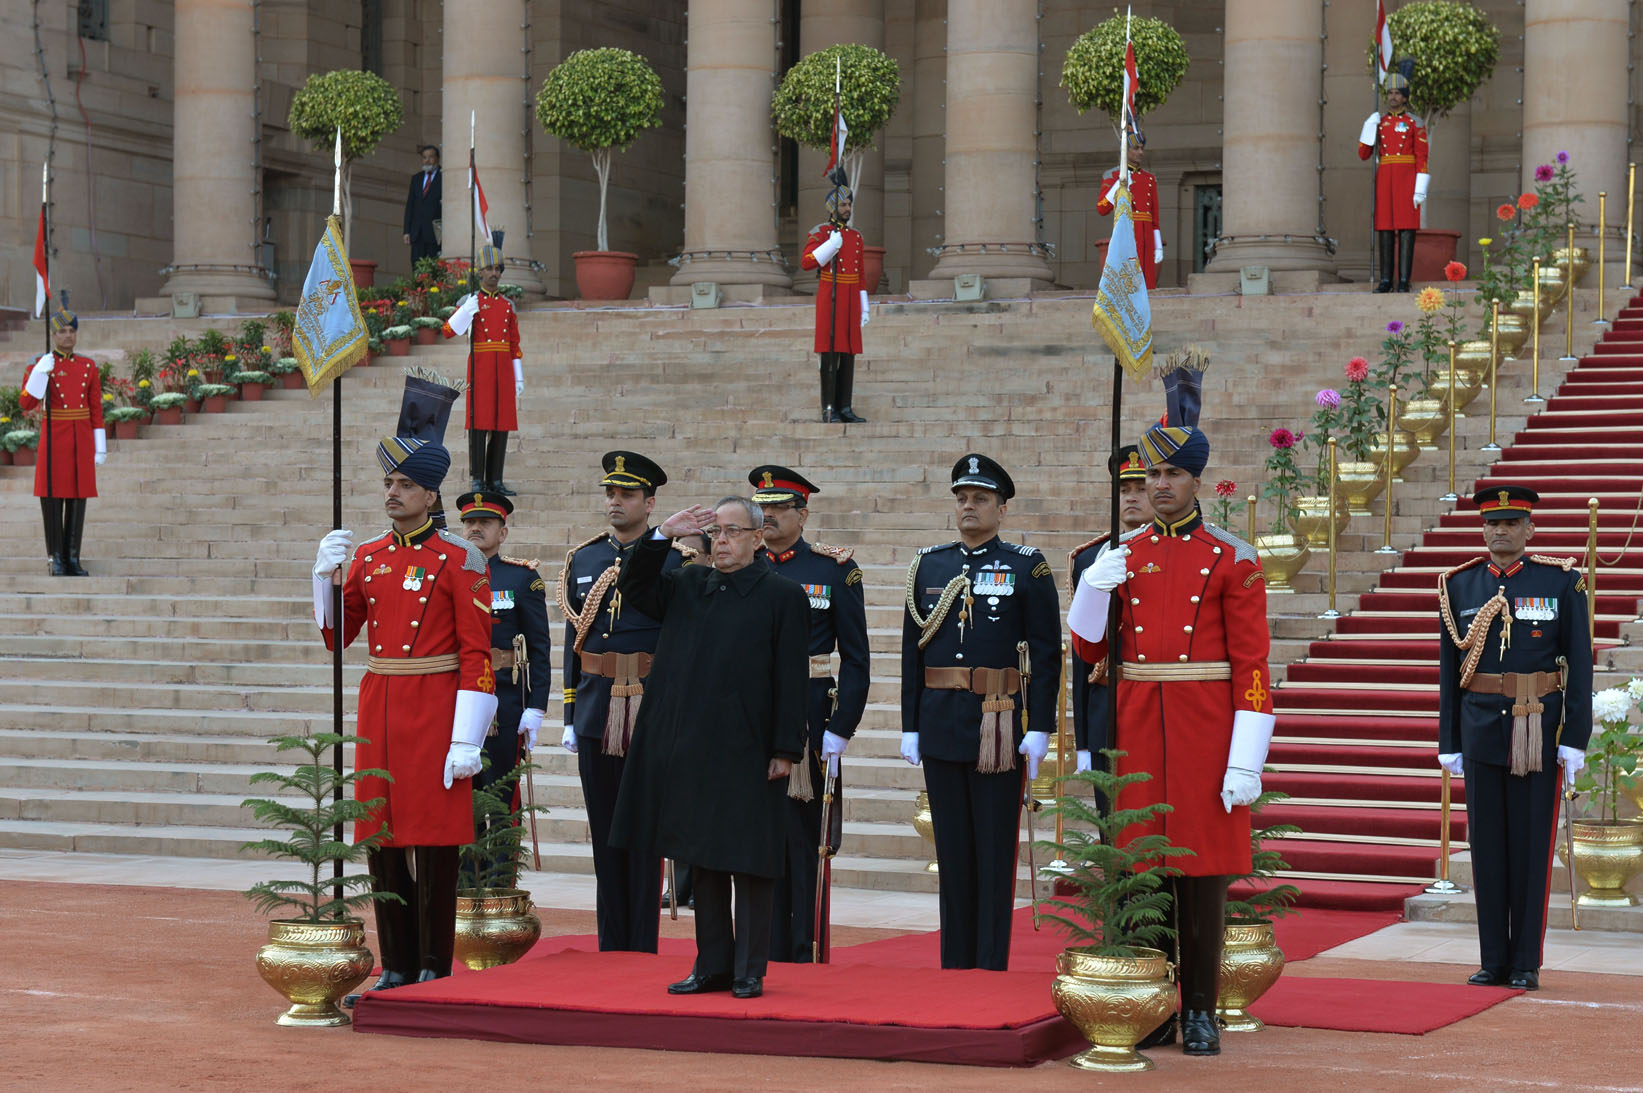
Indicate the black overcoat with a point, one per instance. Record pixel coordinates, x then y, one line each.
726 694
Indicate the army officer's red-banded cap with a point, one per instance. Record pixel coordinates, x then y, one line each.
1505 502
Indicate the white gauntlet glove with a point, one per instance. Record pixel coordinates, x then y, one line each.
518 377
1109 571
833 744
826 249
1370 124
1573 760
463 317
1087 615
1451 762
864 306
40 377
1422 181
1239 787
475 710
909 747
332 554
1035 746
568 741
530 723
99 442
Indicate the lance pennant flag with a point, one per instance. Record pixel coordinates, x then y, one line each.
330 335
42 282
1383 42
1132 80
1122 313
482 226
835 148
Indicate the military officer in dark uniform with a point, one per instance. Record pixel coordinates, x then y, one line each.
608 648
1514 702
1089 682
980 672
838 620
521 648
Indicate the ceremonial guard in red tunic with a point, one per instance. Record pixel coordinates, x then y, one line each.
1400 177
72 441
1514 702
1149 233
838 620
421 598
1194 698
836 249
496 374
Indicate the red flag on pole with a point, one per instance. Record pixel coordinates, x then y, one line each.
481 207
1383 42
1132 80
42 282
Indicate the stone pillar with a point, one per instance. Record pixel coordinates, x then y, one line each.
1269 175
929 105
1574 97
214 187
992 89
730 163
484 76
859 22
1449 195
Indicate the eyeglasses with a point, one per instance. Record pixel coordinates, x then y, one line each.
729 531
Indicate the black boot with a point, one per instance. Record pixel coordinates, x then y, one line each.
476 459
829 386
495 455
436 873
1202 905
51 513
1406 258
74 526
846 387
396 921
1384 243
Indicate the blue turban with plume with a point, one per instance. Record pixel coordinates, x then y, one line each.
422 461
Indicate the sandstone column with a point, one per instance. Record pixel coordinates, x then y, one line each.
484 74
858 22
1449 199
928 94
730 163
1269 173
1574 97
213 194
992 87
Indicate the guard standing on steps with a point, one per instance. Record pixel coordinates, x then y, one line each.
1089 683
422 598
521 652
837 250
980 673
496 372
838 620
72 441
1400 177
1149 234
1514 702
608 649
1194 699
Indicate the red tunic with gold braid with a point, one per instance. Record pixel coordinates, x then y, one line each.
417 596
1144 215
491 403
844 271
76 397
1195 593
1402 141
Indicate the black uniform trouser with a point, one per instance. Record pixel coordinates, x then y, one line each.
629 885
794 908
419 934
977 825
740 949
1511 821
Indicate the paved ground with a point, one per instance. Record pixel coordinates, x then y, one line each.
129 973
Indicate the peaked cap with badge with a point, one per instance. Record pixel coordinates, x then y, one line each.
773 485
975 469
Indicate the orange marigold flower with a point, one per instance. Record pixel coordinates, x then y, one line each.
1505 212
1527 201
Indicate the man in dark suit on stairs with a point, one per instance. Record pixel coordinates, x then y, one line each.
422 208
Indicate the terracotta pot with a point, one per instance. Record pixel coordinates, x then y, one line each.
23 457
191 405
213 375
293 381
5 458
605 274
251 392
426 335
399 347
172 415
365 272
872 269
1434 249
215 404
125 430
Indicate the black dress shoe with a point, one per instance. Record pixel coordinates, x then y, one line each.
850 417
428 975
832 417
1487 977
1524 981
502 488
1384 286
1161 1036
385 982
1200 1033
750 987
696 983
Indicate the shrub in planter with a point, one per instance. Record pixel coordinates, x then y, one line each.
168 407
398 339
214 397
252 384
125 420
286 372
367 108
802 107
20 443
427 329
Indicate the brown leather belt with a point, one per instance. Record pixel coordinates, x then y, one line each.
982 681
1540 684
413 666
821 666
1181 672
502 660
617 665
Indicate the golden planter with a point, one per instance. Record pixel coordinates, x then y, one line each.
1282 557
1312 523
1468 383
313 964
1404 453
494 926
1582 261
1607 857
1425 419
1514 333
1523 306
1113 1001
1473 357
1250 963
1360 483
925 825
1554 283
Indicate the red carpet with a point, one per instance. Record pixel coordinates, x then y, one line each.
1373 1005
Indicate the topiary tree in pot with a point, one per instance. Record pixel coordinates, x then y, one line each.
363 104
1454 47
1093 72
869 89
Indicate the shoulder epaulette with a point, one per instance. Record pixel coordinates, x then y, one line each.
475 558
1468 564
383 538
571 553
1130 536
1564 564
1241 551
1072 555
689 553
1029 551
938 546
841 555
528 563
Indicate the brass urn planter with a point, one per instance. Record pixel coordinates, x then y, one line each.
1250 963
1425 419
1113 1001
1514 333
1473 356
925 825
1580 263
1312 523
1607 856
494 926
1405 452
1554 283
1360 483
313 964
1468 384
1523 306
1282 557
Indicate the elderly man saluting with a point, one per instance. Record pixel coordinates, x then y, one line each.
722 724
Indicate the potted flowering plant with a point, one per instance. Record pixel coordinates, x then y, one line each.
398 339
1225 490
1311 518
1608 849
125 420
168 407
20 443
252 384
426 328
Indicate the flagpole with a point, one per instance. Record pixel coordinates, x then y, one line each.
473 276
836 153
336 524
1113 532
1125 121
45 214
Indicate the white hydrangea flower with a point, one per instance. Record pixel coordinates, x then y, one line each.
1611 706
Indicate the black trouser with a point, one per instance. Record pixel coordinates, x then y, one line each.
977 825
1200 908
419 934
487 452
629 885
741 950
1511 820
1402 244
793 928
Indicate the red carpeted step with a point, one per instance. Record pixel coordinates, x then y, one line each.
1413 598
1354 727
1350 786
1422 624
1323 672
1392 823
1355 649
1303 697
1353 895
1406 757
1562 542
1311 856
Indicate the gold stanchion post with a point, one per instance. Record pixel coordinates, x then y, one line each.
1391 439
1443 886
1534 373
1331 613
1450 496
1631 202
1250 500
1061 748
1569 324
1591 568
1603 254
1494 370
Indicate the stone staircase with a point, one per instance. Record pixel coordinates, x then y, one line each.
136 703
